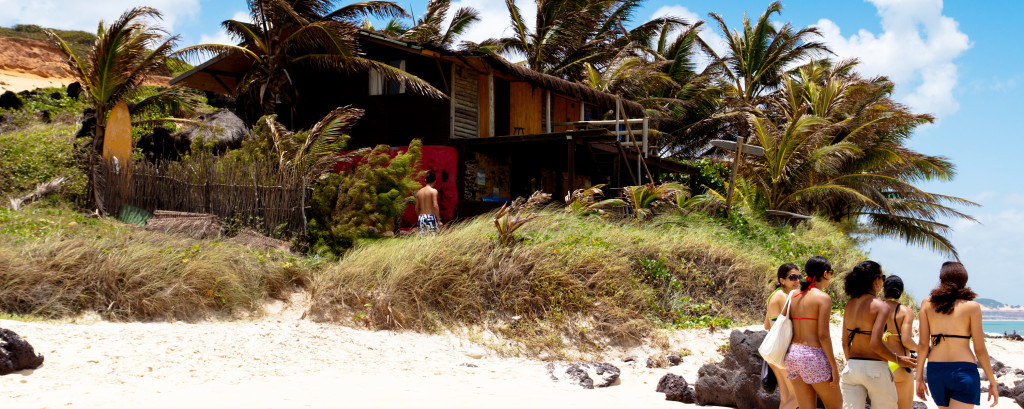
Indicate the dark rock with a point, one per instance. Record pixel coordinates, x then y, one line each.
3 118
16 354
74 90
219 100
223 127
651 363
1015 337
919 405
587 375
631 358
10 100
28 93
44 115
1017 393
468 365
56 95
674 359
161 144
1004 391
675 388
735 381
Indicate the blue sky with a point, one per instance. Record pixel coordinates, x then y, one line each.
951 59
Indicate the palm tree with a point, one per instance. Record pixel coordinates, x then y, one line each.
124 55
757 59
559 28
428 29
835 145
291 33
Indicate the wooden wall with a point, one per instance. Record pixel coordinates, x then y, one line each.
563 110
484 104
527 104
465 99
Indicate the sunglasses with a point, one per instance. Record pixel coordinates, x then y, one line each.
795 277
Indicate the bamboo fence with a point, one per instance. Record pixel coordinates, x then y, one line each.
252 194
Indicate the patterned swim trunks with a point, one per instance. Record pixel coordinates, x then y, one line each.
808 363
428 223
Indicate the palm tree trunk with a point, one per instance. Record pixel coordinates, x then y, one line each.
96 157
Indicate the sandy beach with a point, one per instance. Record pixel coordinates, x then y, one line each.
283 361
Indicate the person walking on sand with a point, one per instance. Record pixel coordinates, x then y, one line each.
427 208
867 370
810 361
899 338
950 322
786 280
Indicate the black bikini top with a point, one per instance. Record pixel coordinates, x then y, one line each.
936 338
853 332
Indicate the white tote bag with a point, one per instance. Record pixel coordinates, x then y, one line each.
776 343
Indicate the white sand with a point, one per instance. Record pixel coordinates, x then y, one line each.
283 361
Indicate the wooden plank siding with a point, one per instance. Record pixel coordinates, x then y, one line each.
466 115
526 106
564 110
484 105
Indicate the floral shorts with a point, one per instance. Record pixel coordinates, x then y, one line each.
808 363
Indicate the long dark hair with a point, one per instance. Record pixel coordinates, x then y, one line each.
815 269
862 278
784 272
952 287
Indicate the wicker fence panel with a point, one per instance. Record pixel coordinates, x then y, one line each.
252 194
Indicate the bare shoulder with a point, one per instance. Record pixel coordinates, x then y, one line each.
970 306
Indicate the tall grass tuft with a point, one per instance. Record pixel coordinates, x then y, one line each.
56 263
571 281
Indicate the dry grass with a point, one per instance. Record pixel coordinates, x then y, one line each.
570 283
56 263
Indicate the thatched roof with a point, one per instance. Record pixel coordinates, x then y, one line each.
562 86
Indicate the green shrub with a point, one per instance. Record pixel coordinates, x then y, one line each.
37 154
363 202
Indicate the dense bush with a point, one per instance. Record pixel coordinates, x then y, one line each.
365 201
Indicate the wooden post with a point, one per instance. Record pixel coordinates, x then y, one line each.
547 110
451 103
572 163
735 170
490 101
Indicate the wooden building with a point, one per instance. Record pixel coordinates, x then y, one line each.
503 131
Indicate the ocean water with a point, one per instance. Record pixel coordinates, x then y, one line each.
1001 326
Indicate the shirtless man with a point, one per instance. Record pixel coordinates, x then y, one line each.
427 208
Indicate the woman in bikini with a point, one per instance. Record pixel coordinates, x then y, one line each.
810 362
898 337
867 368
787 279
950 323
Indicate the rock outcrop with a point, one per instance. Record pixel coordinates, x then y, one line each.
735 381
588 375
16 354
676 389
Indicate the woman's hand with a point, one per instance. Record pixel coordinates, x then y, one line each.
993 392
835 378
922 389
906 361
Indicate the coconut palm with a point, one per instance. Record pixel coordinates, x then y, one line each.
835 145
561 28
758 57
125 54
291 33
428 29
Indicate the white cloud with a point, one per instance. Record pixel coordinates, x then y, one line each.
916 50
85 15
222 37
494 18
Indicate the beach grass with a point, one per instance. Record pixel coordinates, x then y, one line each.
571 282
55 262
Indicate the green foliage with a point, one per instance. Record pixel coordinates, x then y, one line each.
583 202
80 41
363 202
714 175
37 154
514 215
642 199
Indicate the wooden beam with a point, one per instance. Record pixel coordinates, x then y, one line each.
490 101
572 163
